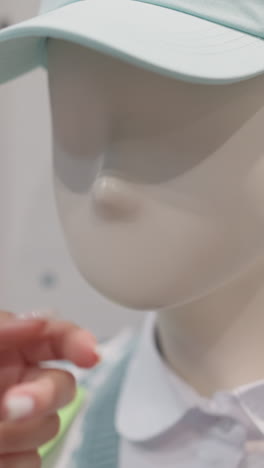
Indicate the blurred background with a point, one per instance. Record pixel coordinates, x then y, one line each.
35 268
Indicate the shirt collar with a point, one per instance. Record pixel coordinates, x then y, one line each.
149 404
153 399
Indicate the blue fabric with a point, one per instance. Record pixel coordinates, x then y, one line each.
99 447
244 15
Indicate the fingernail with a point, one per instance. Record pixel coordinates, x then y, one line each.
39 314
18 407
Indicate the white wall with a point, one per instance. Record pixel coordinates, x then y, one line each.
35 268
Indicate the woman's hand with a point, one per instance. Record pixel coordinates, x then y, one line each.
30 396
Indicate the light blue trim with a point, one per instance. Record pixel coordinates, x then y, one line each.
145 35
50 5
243 15
99 447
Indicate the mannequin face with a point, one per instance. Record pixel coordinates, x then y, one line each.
159 183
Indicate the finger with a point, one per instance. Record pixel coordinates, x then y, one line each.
15 332
6 315
29 435
12 369
22 460
56 328
43 392
63 341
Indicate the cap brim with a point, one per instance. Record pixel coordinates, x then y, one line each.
156 38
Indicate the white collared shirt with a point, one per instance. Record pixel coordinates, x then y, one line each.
163 423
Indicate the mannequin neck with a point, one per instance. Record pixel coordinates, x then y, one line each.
216 343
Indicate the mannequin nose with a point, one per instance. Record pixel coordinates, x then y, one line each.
114 198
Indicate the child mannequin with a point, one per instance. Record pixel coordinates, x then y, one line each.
160 192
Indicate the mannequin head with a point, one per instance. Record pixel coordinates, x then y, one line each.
159 183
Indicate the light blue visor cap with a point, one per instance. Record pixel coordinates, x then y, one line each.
201 41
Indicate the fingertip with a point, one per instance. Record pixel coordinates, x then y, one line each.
88 359
82 349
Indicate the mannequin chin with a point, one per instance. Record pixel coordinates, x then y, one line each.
156 183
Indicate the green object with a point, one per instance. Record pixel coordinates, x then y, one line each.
67 415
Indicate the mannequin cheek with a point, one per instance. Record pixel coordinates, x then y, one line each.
87 137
